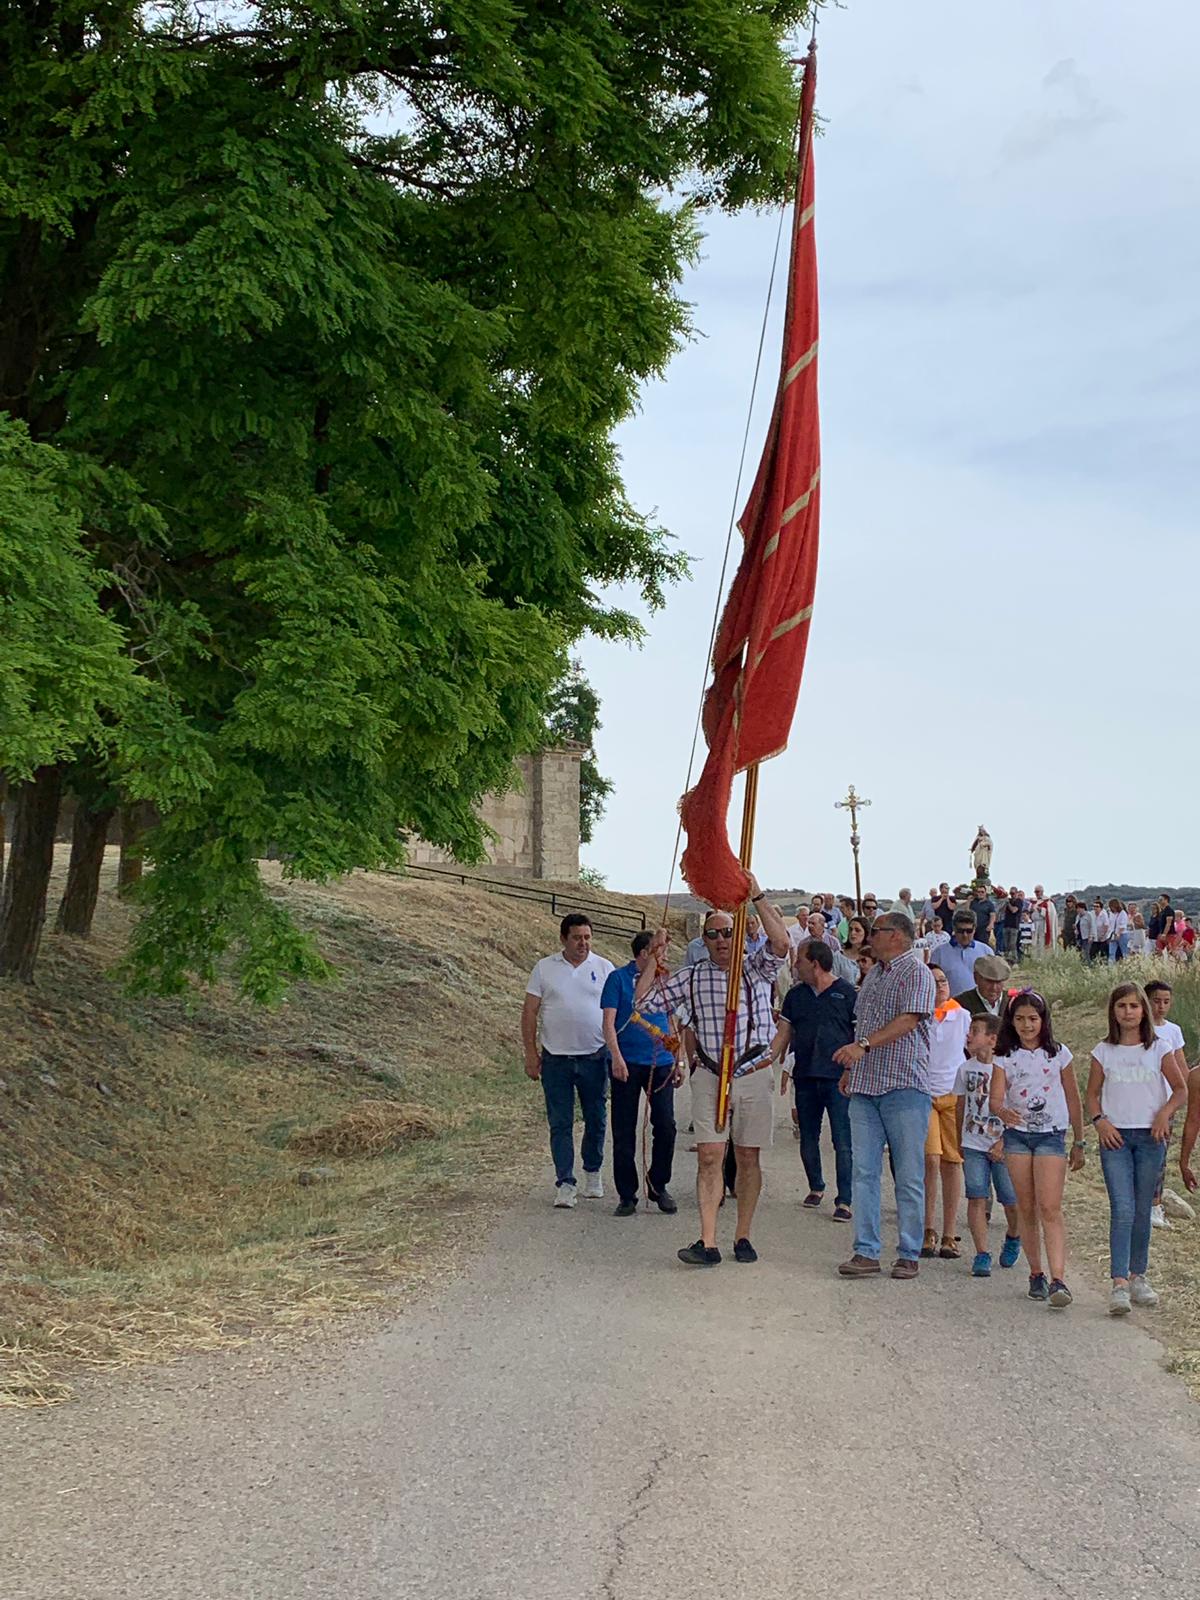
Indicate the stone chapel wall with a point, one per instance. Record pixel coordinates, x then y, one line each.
536 824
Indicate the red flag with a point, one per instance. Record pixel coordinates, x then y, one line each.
758 658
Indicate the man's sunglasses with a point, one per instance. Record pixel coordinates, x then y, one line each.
718 933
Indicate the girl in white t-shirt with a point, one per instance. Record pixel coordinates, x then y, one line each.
1133 1087
1035 1096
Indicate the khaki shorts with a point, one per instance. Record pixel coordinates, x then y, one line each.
751 1119
942 1138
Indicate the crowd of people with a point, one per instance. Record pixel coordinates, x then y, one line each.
904 1030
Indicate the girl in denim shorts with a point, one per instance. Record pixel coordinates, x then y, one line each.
1035 1095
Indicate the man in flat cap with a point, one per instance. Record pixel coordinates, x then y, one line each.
987 998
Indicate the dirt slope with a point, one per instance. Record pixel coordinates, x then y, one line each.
150 1151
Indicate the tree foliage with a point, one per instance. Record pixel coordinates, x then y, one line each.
314 329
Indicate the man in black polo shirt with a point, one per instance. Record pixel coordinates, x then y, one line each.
983 909
817 1019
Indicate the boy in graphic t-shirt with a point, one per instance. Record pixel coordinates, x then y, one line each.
982 1142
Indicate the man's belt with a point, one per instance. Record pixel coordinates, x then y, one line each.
748 1054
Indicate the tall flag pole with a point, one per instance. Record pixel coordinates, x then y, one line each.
758 657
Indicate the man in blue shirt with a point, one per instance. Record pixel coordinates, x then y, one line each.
957 959
817 1019
641 1064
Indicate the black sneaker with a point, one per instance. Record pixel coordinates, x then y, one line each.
1039 1289
665 1201
1060 1295
627 1208
743 1250
700 1255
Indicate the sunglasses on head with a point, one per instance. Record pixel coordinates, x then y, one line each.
718 933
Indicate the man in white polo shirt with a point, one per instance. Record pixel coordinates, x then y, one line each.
562 1002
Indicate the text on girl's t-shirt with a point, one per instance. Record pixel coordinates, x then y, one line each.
1134 1090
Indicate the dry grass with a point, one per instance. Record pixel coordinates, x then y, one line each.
149 1151
1079 999
368 1129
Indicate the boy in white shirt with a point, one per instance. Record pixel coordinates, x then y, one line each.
982 1139
931 941
1161 996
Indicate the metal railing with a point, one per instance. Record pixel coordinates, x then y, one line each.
605 918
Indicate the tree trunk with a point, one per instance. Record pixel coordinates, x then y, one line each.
3 799
88 838
133 826
31 858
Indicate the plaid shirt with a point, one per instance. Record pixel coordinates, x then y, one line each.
707 983
891 990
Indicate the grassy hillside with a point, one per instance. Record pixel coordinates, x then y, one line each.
181 1176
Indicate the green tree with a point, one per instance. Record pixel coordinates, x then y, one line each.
64 672
329 316
574 715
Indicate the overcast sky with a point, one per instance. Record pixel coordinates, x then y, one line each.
1009 244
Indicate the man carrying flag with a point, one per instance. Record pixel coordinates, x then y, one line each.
700 991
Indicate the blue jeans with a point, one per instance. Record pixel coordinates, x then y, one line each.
1131 1177
981 1175
899 1119
562 1076
815 1097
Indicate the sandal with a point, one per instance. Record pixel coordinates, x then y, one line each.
813 1199
930 1247
949 1250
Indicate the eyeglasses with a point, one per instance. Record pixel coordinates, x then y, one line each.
718 933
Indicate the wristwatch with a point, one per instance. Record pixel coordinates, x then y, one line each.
863 1044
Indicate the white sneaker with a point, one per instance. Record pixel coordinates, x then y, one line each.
565 1196
1118 1301
593 1186
1158 1218
1141 1293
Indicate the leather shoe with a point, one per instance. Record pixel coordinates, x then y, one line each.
700 1255
665 1201
859 1267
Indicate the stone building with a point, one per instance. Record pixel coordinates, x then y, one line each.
536 824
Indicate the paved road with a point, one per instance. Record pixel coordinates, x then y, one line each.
580 1416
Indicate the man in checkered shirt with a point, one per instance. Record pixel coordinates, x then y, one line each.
698 992
886 1074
